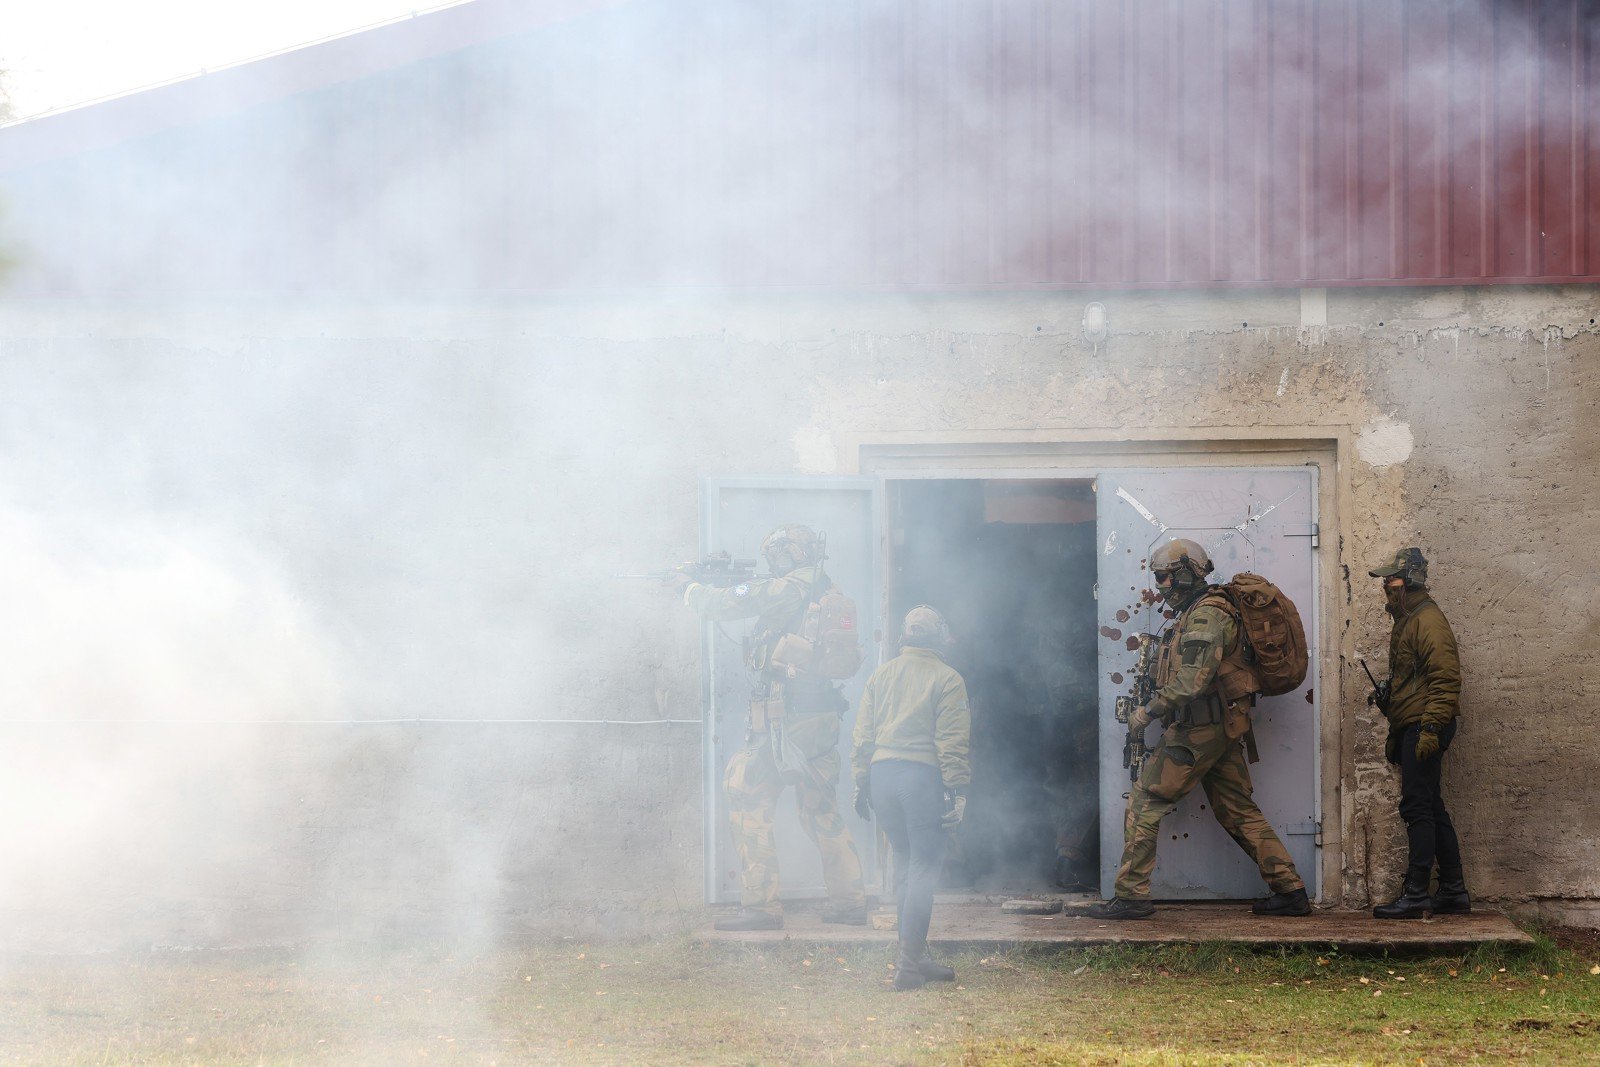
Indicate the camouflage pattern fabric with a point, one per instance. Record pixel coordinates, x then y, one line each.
1199 755
753 784
1191 654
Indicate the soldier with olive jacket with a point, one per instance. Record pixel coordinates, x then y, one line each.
1420 701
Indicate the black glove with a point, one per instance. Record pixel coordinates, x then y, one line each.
863 802
1391 746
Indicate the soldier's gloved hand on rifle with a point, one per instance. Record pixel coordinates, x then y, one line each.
1139 718
678 578
1427 742
956 812
863 802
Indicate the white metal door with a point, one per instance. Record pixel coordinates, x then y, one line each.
1249 519
737 513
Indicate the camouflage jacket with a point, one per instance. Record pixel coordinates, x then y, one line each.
1196 645
777 604
1424 666
915 708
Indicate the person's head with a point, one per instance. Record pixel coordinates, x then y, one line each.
789 547
1406 572
1408 566
1179 568
924 627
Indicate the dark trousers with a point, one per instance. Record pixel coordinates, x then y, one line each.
908 800
1429 832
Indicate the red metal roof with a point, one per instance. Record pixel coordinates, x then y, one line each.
902 144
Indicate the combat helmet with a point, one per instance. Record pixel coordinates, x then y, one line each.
1187 563
1409 564
1181 553
789 547
924 627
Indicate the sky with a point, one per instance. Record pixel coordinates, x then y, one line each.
67 52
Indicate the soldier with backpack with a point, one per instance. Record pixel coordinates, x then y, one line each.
804 639
1226 644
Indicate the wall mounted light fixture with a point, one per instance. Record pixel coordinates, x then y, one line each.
1096 324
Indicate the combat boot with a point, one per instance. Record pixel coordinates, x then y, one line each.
935 972
1413 901
1452 897
1122 908
908 969
846 915
750 919
1294 902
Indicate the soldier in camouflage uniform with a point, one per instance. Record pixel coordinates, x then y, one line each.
1204 744
793 738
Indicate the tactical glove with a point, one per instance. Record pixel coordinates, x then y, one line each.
955 813
678 578
1139 718
863 802
1427 742
1391 746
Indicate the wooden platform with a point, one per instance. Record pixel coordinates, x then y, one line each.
982 925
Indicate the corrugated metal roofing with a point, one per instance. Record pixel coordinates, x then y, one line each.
915 144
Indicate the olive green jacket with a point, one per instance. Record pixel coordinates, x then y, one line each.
915 708
1424 666
1203 634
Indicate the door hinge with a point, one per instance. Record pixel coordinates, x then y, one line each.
1097 590
1312 530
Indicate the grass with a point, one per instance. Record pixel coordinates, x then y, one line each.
674 1001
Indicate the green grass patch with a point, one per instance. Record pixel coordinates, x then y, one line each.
676 1001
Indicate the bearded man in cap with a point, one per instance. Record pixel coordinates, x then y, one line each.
1420 700
912 735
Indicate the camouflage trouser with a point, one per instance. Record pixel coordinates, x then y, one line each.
753 784
1199 755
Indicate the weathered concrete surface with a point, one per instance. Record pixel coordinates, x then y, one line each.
986 926
336 509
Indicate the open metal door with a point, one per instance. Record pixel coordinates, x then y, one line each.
1249 519
736 515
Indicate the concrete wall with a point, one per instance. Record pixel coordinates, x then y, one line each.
262 512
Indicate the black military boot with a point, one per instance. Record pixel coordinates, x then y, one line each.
1452 897
750 919
1122 908
1292 903
1413 901
935 972
908 969
846 915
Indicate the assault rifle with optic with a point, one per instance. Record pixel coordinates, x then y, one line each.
719 568
1134 750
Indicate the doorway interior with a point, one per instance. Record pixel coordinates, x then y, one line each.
1012 566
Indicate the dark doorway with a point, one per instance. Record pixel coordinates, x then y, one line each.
1011 564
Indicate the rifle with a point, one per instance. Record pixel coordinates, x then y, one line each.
1379 697
719 568
1134 750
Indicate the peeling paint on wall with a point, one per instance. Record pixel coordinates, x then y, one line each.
814 451
1384 444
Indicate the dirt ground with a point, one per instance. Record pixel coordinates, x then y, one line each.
676 1001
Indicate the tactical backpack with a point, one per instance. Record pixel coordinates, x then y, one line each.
1270 657
827 644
